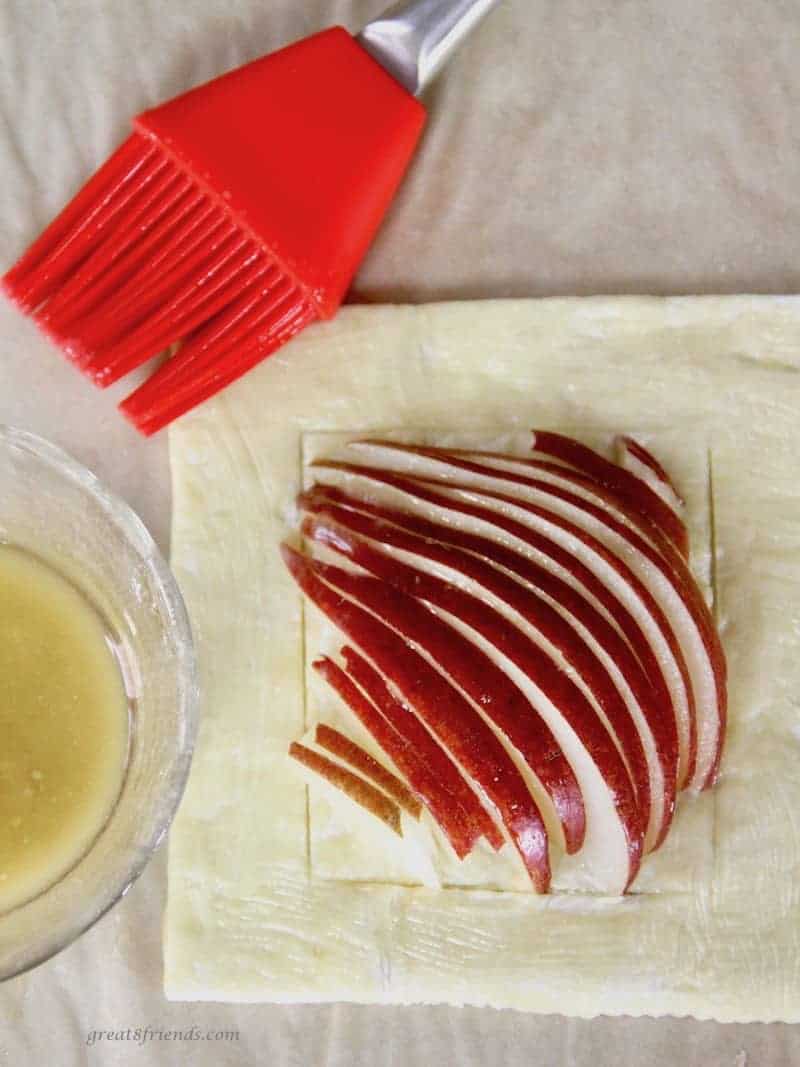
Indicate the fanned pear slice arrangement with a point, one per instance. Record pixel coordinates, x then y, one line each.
523 640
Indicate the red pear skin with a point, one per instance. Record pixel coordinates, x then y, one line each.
570 480
448 714
531 738
338 744
627 486
479 558
650 461
401 742
663 556
486 684
352 784
448 786
594 613
419 489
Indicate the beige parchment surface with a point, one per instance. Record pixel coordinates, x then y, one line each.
574 147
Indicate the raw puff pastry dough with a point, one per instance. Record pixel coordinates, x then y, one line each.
243 921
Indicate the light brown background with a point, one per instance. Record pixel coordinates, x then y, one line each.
574 147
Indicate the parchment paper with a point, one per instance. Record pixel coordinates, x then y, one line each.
575 147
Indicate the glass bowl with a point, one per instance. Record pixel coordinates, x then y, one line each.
57 510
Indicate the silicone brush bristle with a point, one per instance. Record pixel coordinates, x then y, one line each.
236 214
233 342
143 258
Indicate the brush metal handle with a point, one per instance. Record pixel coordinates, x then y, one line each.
414 39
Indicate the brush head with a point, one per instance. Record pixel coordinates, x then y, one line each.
232 217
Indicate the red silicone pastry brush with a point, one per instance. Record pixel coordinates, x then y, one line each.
235 215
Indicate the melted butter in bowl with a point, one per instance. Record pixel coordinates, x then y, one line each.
98 699
64 726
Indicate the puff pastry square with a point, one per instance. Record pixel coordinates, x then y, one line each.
713 931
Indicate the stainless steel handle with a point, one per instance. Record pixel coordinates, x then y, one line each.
414 39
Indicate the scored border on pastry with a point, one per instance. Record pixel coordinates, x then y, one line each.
341 849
